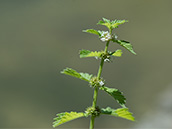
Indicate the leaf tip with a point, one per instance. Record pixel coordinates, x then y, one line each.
62 71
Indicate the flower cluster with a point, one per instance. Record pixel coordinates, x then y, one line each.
106 56
105 36
95 82
92 111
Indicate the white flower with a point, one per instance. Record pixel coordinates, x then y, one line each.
101 83
105 36
96 57
106 60
116 36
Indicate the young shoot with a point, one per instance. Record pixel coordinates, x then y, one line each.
97 82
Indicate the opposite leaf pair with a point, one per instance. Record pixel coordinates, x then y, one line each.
100 54
115 93
68 116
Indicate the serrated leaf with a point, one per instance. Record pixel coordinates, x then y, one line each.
108 25
116 94
126 45
116 23
87 53
124 113
86 76
111 24
83 53
117 53
106 20
92 31
121 112
65 117
72 72
100 22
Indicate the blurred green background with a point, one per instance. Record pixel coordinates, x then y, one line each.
39 38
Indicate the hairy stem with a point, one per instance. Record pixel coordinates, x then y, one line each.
96 88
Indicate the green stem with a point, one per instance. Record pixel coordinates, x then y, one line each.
96 88
94 105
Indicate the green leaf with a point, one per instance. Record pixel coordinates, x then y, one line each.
87 53
126 45
65 117
121 112
111 24
116 23
100 22
117 53
86 76
108 25
116 94
83 53
72 72
106 20
124 113
92 31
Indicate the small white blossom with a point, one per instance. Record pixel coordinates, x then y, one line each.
96 57
106 60
105 36
101 83
116 36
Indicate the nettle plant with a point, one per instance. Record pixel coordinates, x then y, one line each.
97 82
